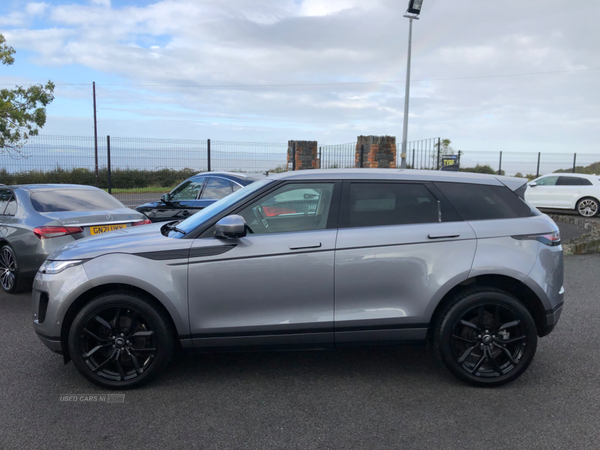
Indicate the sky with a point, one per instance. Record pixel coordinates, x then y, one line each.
491 76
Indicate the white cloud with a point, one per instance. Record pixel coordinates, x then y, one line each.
185 43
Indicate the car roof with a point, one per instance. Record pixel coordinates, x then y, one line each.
39 187
244 176
577 175
402 174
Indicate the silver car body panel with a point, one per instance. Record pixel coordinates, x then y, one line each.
387 277
260 285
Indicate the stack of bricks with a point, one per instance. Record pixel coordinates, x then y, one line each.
305 154
379 152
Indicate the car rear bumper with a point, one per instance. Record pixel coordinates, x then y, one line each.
552 317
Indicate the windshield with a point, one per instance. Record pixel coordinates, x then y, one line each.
216 208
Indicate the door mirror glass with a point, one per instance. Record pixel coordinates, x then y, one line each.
233 226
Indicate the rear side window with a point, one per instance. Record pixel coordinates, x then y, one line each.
73 200
378 204
484 202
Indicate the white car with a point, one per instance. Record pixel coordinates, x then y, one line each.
566 191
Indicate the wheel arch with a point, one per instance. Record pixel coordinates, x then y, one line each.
94 292
510 285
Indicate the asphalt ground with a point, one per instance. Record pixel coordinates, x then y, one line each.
371 398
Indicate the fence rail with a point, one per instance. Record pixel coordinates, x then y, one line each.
146 167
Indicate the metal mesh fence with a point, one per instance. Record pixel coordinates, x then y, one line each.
143 168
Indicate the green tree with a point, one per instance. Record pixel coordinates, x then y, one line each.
22 111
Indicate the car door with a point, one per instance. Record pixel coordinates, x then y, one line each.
275 285
567 191
398 247
542 193
182 201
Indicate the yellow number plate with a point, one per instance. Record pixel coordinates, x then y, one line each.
105 228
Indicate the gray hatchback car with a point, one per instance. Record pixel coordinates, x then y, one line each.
315 260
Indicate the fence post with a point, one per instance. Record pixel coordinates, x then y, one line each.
574 161
108 158
500 164
413 158
95 135
537 173
459 158
438 153
208 154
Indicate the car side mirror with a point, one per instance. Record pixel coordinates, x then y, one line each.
533 184
233 226
166 198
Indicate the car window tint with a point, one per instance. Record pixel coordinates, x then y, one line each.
377 204
5 196
216 188
188 190
548 181
55 200
484 202
568 181
11 207
585 182
293 207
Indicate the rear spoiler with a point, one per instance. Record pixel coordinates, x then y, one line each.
517 185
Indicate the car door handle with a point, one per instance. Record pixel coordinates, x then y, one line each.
442 236
307 245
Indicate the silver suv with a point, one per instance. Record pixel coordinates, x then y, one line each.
315 260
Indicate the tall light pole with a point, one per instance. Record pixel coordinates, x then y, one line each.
413 11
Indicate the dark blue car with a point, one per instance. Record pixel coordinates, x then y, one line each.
196 193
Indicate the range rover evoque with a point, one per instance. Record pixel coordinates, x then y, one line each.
315 260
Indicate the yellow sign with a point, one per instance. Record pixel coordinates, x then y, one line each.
105 228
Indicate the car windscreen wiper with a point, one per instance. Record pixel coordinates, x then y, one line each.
173 227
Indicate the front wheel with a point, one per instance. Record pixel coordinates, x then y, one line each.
120 341
486 337
587 207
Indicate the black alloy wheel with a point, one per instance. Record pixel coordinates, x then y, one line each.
120 341
486 338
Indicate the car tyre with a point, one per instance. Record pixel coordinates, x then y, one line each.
587 207
120 341
11 280
485 337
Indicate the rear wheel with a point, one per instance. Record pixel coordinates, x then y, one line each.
120 341
587 207
11 280
486 337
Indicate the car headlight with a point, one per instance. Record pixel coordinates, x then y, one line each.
52 267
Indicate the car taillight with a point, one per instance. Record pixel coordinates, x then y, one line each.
550 239
142 222
52 232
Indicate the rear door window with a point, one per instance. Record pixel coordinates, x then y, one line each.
484 202
56 200
380 204
569 181
216 189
